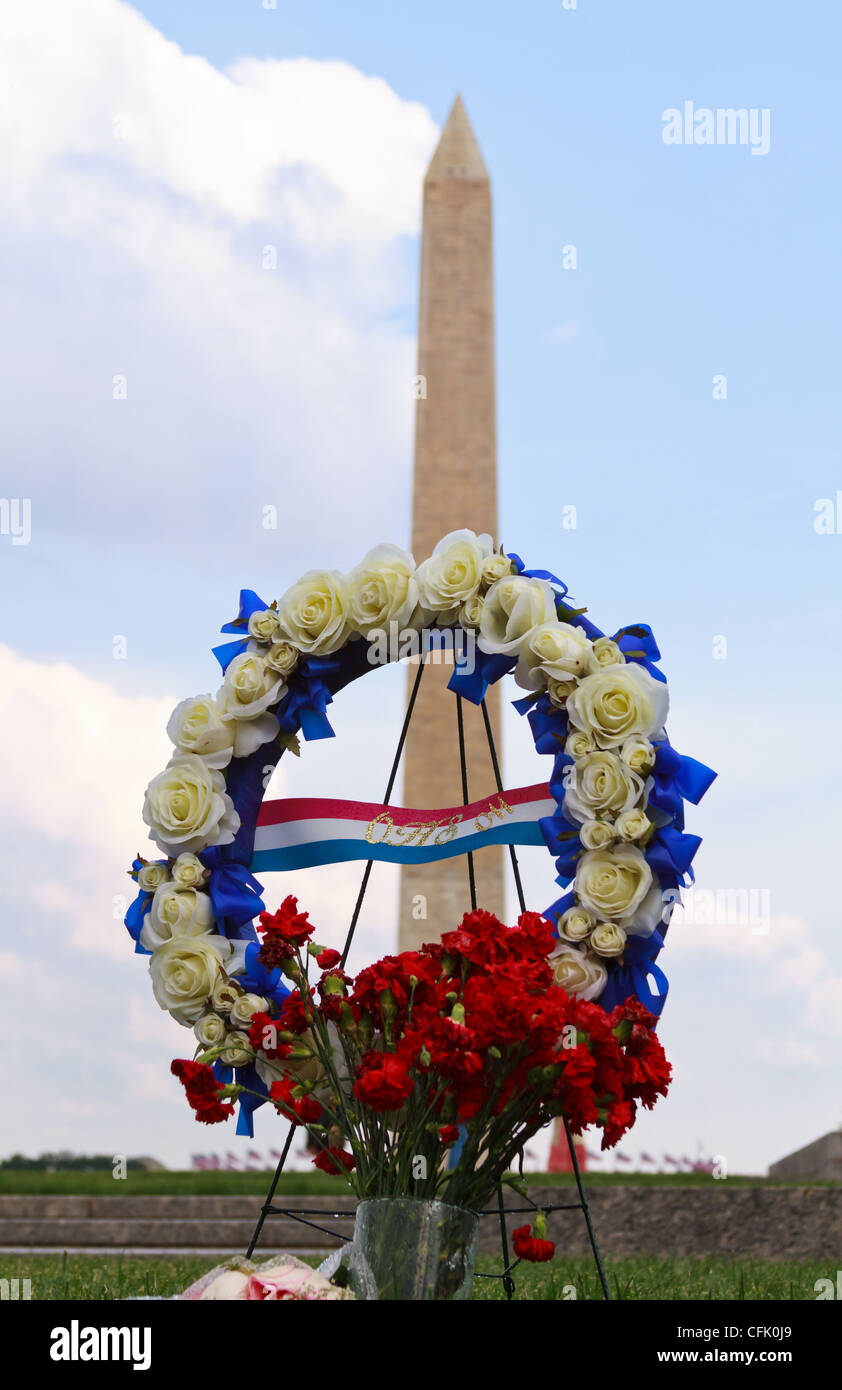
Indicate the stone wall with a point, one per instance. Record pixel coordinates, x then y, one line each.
773 1223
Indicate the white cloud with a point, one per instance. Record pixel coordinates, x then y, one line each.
75 774
127 96
75 771
144 191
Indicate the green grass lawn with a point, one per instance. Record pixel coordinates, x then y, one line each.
310 1184
168 1184
111 1277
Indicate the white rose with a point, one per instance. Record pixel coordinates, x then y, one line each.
599 784
560 690
603 652
263 625
184 972
176 912
575 924
237 1051
225 994
651 913
189 872
210 1030
382 590
551 649
197 726
578 972
470 614
612 883
249 687
282 657
512 608
597 834
578 743
453 572
495 567
244 1006
617 702
314 612
633 824
607 940
638 752
152 875
187 808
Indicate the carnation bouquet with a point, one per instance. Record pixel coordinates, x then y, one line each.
469 1039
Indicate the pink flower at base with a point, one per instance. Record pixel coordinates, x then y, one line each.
292 1283
282 1278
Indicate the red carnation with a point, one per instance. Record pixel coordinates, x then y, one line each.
529 1247
479 938
263 1036
287 923
620 1118
292 1017
383 1081
535 936
283 931
327 958
647 1071
308 1110
275 952
305 1110
448 1134
334 1161
632 1011
202 1090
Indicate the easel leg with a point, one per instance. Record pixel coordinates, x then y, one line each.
587 1211
270 1194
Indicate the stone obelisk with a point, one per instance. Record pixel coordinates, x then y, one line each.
454 486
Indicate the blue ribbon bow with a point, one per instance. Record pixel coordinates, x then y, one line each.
134 920
309 695
632 976
244 1076
488 668
256 979
250 603
234 891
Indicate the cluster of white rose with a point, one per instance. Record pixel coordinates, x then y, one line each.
614 713
192 963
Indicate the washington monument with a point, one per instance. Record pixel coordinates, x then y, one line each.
454 486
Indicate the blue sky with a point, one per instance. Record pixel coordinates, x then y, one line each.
152 154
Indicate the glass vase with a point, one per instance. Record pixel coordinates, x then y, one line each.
413 1249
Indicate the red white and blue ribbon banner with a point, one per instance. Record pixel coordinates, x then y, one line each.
299 832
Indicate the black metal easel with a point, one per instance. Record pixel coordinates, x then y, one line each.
501 1211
